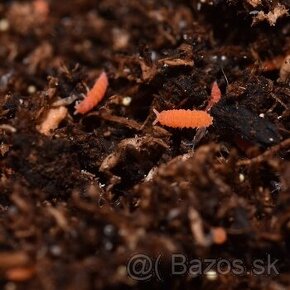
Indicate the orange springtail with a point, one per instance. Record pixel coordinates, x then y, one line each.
41 7
215 96
183 118
94 96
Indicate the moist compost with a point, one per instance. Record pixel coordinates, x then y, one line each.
77 202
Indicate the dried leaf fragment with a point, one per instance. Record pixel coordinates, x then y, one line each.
196 227
254 3
137 151
272 16
183 57
52 120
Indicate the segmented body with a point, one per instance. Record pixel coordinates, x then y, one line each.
184 118
94 96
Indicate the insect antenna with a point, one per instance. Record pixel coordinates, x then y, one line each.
157 115
200 133
227 81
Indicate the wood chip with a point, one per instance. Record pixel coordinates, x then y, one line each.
52 120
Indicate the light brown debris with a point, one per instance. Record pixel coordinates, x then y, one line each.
268 153
285 70
197 228
52 120
254 3
13 259
272 16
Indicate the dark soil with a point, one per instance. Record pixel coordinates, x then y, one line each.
77 204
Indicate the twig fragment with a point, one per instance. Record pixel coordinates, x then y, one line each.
271 151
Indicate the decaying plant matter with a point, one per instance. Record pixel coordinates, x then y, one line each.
82 193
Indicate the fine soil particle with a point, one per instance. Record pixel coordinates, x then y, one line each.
79 200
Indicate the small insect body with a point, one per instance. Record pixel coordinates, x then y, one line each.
215 96
183 118
94 96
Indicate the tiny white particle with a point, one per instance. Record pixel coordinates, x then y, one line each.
254 12
31 89
56 250
223 57
241 177
108 246
262 115
182 24
108 230
174 213
153 55
271 139
185 36
126 101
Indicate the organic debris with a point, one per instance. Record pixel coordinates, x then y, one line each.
83 194
272 16
52 120
285 70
